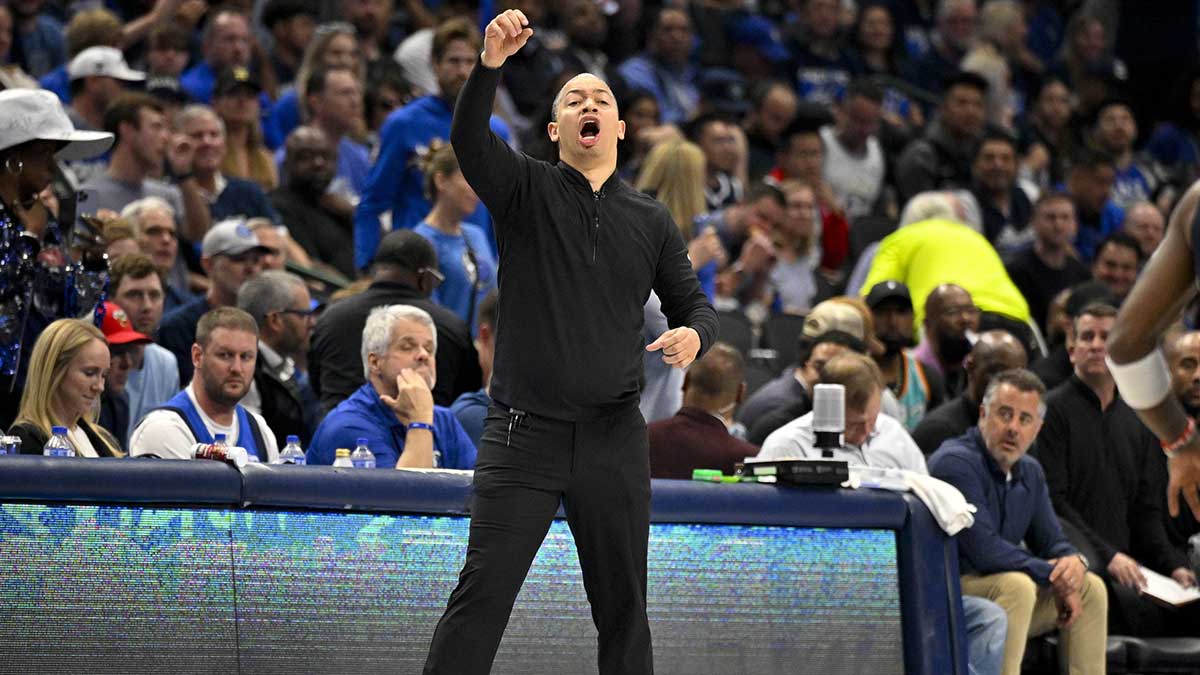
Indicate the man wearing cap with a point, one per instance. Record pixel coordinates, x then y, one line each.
223 355
97 77
126 348
758 49
137 288
917 388
402 274
230 254
36 131
817 345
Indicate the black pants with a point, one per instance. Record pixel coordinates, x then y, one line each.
600 471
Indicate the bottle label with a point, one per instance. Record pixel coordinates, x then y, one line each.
363 464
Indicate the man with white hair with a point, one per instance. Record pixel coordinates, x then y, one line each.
394 410
154 220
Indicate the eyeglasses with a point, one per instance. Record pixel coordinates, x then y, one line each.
438 277
302 313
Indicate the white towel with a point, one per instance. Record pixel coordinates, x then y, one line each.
948 506
944 501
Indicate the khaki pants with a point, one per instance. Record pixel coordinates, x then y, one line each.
1032 612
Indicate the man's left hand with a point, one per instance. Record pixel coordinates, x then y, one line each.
1184 577
1067 575
679 346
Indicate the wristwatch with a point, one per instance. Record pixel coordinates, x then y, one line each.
1083 559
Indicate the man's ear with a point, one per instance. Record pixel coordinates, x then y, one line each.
552 130
373 362
620 130
197 351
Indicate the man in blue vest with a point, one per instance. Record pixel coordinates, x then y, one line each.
224 353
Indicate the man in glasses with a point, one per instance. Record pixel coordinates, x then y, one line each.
230 254
282 308
404 272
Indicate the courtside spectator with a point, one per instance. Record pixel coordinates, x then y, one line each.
223 354
394 411
67 368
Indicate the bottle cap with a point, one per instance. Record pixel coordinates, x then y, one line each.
58 430
361 441
293 438
343 452
220 438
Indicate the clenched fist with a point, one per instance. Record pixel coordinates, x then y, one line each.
505 36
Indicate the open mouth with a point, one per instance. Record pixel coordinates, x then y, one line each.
589 132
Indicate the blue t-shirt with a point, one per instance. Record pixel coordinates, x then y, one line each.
456 265
395 181
58 82
43 48
365 415
281 119
471 410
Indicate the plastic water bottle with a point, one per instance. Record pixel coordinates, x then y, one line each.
362 457
292 454
342 458
59 445
10 445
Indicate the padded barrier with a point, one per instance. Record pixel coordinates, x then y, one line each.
934 640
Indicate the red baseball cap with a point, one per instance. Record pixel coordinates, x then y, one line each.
118 330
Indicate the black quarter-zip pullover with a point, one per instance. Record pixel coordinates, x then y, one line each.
576 268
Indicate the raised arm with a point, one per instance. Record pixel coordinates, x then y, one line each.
1164 289
493 169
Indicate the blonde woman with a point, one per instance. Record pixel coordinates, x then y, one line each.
67 369
673 173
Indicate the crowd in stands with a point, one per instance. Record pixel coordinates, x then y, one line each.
939 204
